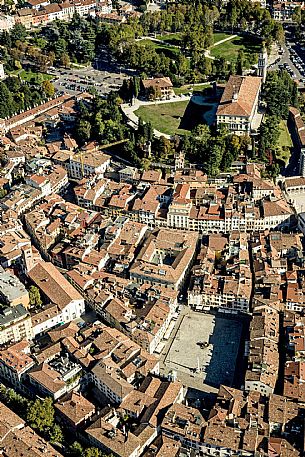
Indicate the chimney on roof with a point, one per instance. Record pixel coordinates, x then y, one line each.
235 94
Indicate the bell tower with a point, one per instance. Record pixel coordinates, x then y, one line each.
179 161
262 64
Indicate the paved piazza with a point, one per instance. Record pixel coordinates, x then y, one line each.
204 350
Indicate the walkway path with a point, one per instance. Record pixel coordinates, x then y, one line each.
224 40
207 53
156 40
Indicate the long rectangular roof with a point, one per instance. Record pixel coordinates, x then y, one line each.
246 89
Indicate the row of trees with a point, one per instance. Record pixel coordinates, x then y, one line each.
40 415
214 150
16 96
104 122
79 41
279 92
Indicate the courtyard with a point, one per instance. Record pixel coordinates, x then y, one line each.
179 117
165 117
204 349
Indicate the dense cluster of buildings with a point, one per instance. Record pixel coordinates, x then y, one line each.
284 11
95 261
35 13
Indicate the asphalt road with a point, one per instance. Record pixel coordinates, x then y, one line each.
286 62
292 59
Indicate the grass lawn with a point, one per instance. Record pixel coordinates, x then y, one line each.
31 76
167 49
171 38
175 38
218 36
165 117
285 138
187 88
229 49
283 151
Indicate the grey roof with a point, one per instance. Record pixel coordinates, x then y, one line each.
10 286
10 314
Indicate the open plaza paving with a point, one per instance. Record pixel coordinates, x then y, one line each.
203 350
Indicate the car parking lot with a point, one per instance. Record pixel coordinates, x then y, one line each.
292 59
81 80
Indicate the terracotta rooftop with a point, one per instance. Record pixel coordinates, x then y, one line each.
246 89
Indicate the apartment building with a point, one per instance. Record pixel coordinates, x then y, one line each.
283 11
225 286
245 424
15 324
297 128
85 164
6 22
74 410
59 293
109 381
55 378
165 259
185 424
15 362
12 290
120 361
20 199
263 359
163 87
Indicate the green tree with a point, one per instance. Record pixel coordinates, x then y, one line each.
34 295
145 164
16 402
240 62
183 65
136 86
40 414
55 434
65 60
7 106
60 46
18 32
297 16
75 450
154 93
51 58
83 130
91 452
48 88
